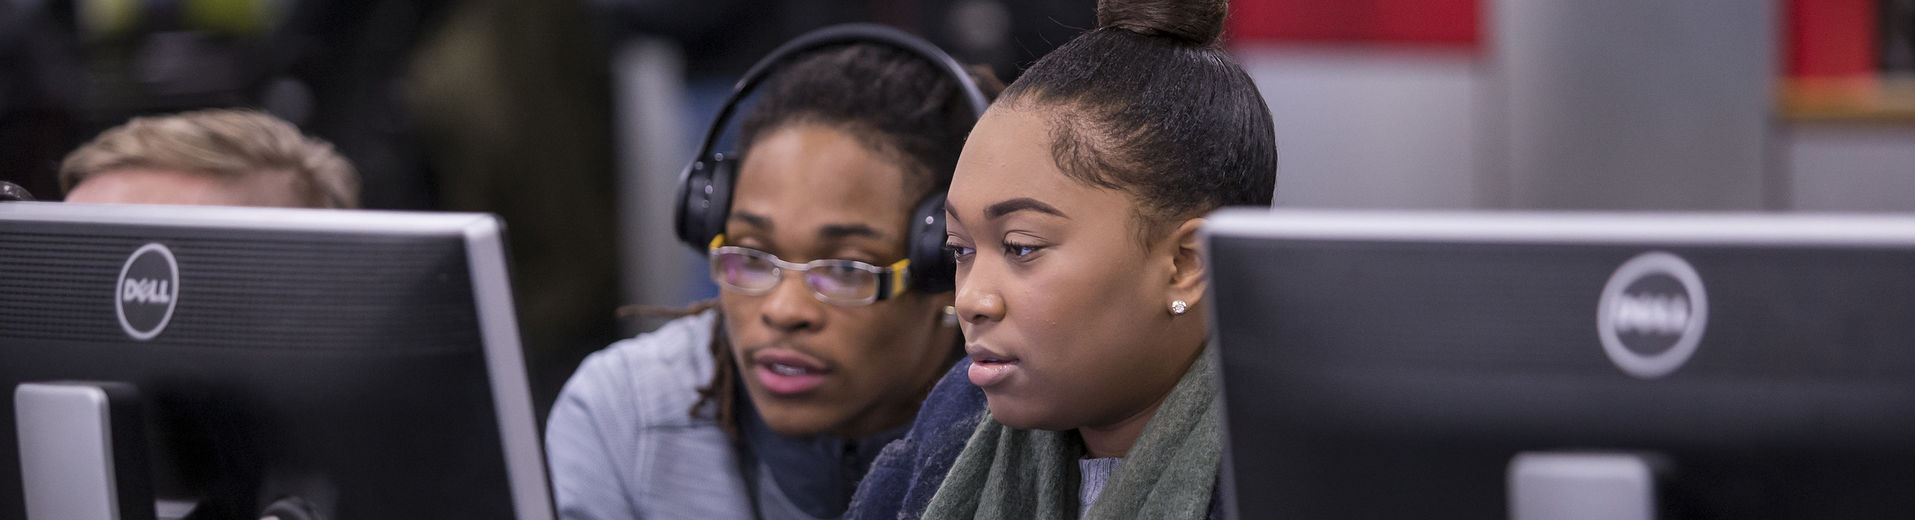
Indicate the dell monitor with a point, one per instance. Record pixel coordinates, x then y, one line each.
1534 365
235 363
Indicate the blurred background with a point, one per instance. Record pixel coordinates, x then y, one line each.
573 118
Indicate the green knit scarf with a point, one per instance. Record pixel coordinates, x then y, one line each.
1006 473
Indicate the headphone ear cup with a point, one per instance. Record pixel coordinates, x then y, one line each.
933 270
704 201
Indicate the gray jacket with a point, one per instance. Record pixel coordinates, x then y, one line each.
621 443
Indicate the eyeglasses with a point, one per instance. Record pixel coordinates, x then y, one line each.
832 280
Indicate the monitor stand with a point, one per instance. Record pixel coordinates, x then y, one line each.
1584 486
83 453
83 456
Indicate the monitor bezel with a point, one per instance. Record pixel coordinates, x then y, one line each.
484 239
1641 228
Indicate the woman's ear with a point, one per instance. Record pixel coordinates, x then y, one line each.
1189 279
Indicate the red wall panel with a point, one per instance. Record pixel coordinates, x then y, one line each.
1445 23
1830 38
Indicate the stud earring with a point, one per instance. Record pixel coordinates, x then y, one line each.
950 316
1177 307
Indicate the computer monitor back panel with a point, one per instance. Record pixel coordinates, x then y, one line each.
336 358
1392 365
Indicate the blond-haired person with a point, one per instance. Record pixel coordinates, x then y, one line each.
209 157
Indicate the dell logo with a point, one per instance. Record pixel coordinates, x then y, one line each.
1652 314
1666 314
145 291
148 290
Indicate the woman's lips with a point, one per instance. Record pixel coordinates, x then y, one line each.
988 367
787 373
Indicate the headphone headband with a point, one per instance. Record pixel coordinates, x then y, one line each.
841 35
704 188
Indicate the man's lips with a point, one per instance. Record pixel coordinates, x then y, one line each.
989 367
787 372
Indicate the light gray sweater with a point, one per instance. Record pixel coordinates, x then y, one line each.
621 443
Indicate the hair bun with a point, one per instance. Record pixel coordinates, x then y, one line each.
1198 22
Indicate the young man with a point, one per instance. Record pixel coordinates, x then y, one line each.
818 352
209 157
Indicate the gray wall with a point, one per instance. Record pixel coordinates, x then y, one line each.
1373 129
1850 167
1571 104
1635 104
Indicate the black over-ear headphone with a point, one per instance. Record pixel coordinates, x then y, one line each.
704 189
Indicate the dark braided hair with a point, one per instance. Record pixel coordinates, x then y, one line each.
722 390
1150 103
895 103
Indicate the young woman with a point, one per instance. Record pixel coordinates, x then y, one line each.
1080 283
773 404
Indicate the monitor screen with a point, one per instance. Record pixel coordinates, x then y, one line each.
1492 365
364 364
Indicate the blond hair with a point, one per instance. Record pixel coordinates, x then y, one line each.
224 143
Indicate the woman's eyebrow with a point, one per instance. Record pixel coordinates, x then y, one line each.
999 210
